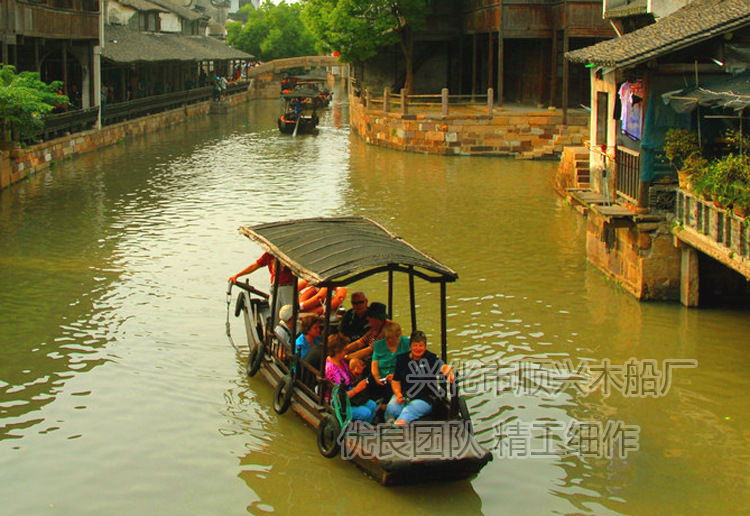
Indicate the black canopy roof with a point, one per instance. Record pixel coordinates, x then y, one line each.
342 250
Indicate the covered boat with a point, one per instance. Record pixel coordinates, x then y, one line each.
332 253
299 115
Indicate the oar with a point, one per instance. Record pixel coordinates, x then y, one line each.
294 134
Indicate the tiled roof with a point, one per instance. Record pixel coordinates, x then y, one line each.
697 21
179 10
124 45
628 9
143 5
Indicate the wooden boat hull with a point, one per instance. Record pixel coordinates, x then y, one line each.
307 125
391 455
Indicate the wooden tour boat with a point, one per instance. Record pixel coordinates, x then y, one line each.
299 115
332 253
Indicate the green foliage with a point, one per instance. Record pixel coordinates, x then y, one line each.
25 99
359 28
681 146
272 32
725 180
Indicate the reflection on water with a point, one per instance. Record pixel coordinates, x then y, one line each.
118 388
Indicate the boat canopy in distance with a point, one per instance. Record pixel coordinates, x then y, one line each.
303 93
342 250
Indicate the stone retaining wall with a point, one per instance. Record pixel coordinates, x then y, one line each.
18 163
524 133
642 258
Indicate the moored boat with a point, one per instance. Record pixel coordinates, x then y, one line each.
332 253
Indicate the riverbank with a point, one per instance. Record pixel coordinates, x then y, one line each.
20 163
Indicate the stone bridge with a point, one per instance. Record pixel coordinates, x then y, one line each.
278 65
266 78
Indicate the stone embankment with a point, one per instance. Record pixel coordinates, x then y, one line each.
525 133
18 163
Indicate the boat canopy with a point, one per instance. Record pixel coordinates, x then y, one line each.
341 250
303 93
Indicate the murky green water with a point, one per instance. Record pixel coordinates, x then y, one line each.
119 393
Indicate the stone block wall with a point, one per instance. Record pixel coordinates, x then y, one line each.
18 163
642 257
524 133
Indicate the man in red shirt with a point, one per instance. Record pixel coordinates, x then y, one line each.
286 278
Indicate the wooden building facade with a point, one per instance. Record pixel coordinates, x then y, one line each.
56 38
517 47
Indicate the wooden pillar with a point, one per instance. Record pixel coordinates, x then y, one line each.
689 277
500 66
473 66
490 63
65 66
123 84
566 77
37 63
460 65
553 71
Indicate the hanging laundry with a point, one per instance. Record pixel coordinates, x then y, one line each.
631 116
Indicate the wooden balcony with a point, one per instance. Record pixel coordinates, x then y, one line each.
68 19
628 174
714 231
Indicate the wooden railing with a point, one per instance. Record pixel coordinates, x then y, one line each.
441 102
59 124
729 233
628 174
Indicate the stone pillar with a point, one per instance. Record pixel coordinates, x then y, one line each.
689 277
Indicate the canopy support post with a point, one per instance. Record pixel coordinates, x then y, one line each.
412 300
390 292
326 328
443 323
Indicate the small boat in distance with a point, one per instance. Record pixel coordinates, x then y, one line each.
331 254
299 115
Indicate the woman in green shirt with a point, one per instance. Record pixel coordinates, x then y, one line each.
384 353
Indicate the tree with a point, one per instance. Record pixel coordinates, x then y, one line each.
358 28
24 100
272 32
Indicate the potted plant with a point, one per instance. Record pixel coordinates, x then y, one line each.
682 151
742 202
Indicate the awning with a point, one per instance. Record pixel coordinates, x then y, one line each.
727 93
123 45
342 249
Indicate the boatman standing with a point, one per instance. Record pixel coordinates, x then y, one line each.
286 278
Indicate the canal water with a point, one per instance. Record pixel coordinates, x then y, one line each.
120 394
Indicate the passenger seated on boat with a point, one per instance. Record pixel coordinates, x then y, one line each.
309 336
283 330
354 322
415 382
376 320
316 357
337 372
384 353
